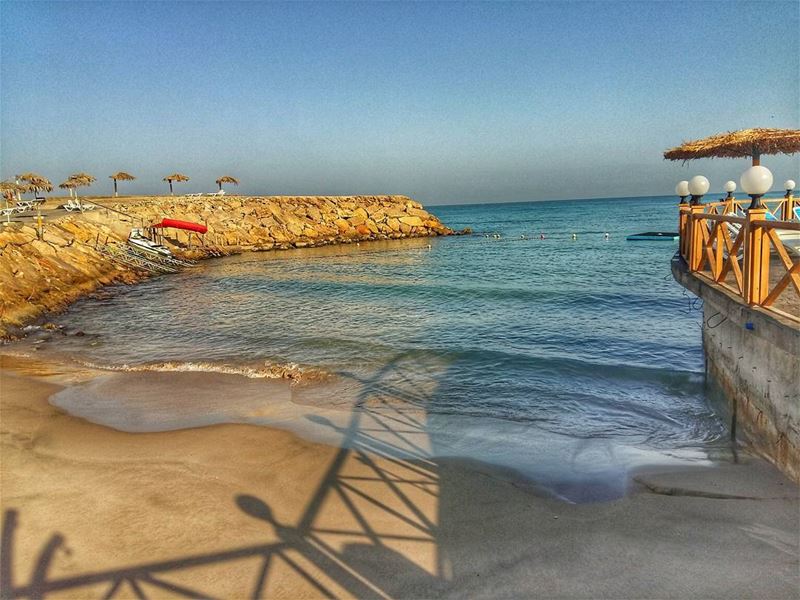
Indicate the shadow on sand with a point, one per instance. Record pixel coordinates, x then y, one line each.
390 534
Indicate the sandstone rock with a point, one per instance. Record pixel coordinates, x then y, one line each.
413 221
41 275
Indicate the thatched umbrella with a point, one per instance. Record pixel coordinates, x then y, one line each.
11 190
36 183
121 176
227 179
175 177
739 144
70 185
81 179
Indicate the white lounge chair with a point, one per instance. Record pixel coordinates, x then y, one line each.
75 204
219 193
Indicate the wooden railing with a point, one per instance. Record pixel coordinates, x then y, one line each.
735 247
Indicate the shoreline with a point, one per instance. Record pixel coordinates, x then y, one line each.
202 508
39 276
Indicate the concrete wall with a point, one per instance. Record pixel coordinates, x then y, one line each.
754 357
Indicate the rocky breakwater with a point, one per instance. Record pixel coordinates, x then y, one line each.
41 274
264 223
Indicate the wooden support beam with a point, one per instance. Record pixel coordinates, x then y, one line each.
756 258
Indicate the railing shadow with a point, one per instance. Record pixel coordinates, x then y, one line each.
382 478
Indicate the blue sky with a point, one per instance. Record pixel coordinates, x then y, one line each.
449 103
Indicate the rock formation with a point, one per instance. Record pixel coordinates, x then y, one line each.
40 275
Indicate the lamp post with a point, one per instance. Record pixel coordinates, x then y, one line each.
698 186
682 191
788 205
730 187
756 182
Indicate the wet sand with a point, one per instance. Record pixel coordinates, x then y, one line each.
236 510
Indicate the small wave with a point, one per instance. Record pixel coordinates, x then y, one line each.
291 371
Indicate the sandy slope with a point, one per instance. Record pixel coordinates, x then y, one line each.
237 510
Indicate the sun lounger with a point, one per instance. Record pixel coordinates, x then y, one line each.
197 195
76 204
219 193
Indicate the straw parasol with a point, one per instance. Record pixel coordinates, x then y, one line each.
175 177
227 179
36 183
81 179
69 184
10 190
120 176
739 144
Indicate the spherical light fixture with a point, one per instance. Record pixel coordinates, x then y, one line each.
789 185
682 190
730 187
698 186
756 182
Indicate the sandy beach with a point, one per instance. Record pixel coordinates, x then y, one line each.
245 511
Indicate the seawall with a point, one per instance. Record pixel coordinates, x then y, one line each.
755 357
41 275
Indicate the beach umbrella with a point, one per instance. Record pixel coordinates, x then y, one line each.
227 179
175 177
81 179
70 185
120 176
11 190
739 144
35 183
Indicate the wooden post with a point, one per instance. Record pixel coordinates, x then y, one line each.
788 207
718 249
756 257
730 204
683 218
695 249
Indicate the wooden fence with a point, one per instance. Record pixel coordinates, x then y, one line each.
736 247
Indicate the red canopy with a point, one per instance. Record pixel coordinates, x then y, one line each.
187 225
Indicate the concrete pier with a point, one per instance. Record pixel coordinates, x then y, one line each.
754 355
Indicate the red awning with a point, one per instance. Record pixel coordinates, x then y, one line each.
187 225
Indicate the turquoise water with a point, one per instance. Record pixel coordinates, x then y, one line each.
577 340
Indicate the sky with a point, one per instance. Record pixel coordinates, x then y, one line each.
445 102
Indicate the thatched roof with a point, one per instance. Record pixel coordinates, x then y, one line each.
122 176
82 179
176 177
227 179
69 183
35 183
738 144
9 189
28 176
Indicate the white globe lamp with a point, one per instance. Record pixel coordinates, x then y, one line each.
789 185
756 182
698 186
682 190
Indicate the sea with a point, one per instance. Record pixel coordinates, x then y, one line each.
543 342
